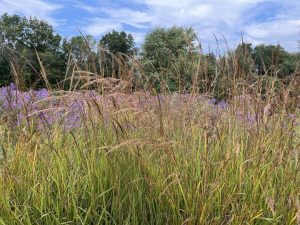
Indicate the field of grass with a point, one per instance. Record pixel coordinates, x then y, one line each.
142 159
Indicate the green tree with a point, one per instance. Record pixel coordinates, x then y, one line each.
80 49
119 45
79 52
268 58
275 60
118 42
243 58
168 55
5 77
290 64
163 44
25 38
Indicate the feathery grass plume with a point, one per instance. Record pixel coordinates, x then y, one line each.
113 150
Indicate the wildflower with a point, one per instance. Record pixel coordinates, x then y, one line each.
222 104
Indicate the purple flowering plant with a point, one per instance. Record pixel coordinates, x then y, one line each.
43 110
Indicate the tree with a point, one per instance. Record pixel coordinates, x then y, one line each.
275 60
79 52
243 58
117 42
24 39
114 61
268 58
80 49
163 44
5 78
168 55
290 65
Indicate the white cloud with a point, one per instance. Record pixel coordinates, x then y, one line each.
38 8
277 31
88 8
83 5
231 18
100 26
117 19
167 3
138 37
135 18
260 21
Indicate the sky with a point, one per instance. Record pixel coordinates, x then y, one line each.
215 21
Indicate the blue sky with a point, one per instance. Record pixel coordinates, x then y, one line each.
269 22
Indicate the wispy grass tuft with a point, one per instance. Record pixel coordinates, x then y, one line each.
168 158
177 162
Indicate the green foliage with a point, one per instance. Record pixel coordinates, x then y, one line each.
208 68
118 47
5 77
168 56
25 38
169 59
19 32
118 42
268 58
80 49
163 46
290 64
271 60
244 59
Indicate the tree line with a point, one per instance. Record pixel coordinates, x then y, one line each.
170 58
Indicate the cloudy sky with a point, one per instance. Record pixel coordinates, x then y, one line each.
258 21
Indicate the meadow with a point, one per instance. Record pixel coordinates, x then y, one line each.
174 136
81 157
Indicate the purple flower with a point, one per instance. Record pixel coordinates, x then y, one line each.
212 101
12 86
250 118
222 104
42 94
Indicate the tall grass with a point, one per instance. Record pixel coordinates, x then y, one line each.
184 166
167 159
